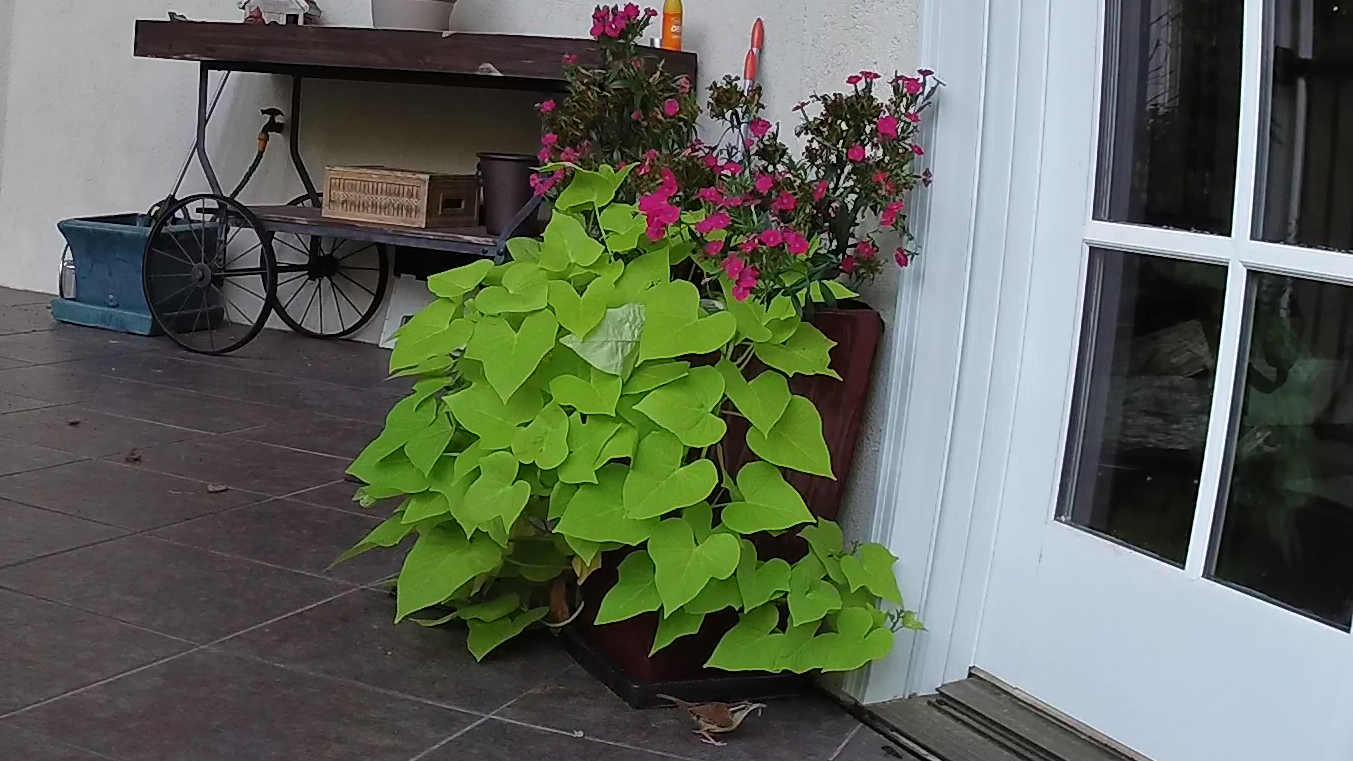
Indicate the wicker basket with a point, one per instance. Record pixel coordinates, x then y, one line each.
401 198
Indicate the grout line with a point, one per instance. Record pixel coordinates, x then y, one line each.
68 606
264 563
46 467
467 729
849 736
66 743
586 737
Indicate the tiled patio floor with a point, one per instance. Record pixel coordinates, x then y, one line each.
148 615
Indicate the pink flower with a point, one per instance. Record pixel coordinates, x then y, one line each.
549 139
544 155
732 202
870 75
684 84
569 154
631 11
671 107
764 183
784 202
637 116
866 249
711 160
732 169
569 58
848 264
748 245
651 12
913 117
854 79
716 221
546 107
902 258
913 85
772 238
669 183
760 127
746 280
659 210
887 127
541 184
916 149
733 266
819 191
709 195
889 216
880 177
741 293
856 153
597 30
795 243
714 247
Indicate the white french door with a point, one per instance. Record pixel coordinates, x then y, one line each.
1174 554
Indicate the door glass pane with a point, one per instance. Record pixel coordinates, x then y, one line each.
1287 527
1171 113
1142 399
1308 187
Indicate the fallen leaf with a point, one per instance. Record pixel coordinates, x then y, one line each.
133 456
73 421
215 489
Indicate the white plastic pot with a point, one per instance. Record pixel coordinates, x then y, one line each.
429 15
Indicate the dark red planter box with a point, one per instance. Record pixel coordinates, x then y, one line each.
618 653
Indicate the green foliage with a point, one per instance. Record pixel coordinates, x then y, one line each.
574 403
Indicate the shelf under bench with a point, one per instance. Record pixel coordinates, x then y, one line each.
304 220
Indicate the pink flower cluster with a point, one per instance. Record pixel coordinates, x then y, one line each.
744 276
889 216
612 21
542 184
658 209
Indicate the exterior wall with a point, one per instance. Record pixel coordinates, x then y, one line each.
6 25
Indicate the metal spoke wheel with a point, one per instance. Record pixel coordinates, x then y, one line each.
328 287
210 275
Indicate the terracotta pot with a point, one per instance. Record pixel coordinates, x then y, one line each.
620 650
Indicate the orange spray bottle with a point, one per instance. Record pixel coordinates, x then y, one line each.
671 25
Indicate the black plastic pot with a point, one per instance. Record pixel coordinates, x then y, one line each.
505 179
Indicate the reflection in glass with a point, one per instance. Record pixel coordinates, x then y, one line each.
1142 399
1171 113
1287 526
1307 190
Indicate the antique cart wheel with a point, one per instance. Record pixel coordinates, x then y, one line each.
209 273
328 287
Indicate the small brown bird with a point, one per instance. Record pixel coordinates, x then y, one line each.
716 718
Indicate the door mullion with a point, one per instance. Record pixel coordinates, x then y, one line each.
1254 73
1217 457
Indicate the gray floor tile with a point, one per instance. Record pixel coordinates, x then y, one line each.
31 533
339 495
47 650
85 432
20 745
185 409
799 728
290 534
207 706
868 745
15 403
18 458
62 383
6 363
316 433
120 495
14 297
354 638
285 353
24 318
503 741
64 343
243 464
179 591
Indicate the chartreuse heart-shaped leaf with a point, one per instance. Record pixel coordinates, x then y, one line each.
484 636
795 441
524 249
806 352
468 459
682 567
751 645
750 315
545 441
651 375
621 444
525 289
580 314
457 282
768 503
676 326
643 425
612 346
592 189
762 401
429 333
441 562
716 596
658 483
795 647
392 472
624 227
566 242
830 290
824 539
491 610
618 216
634 592
479 409
388 534
675 625
424 505
700 516
683 407
810 597
425 447
585 442
559 499
595 396
641 274
510 356
871 567
597 514
759 582
409 417
496 493
855 642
